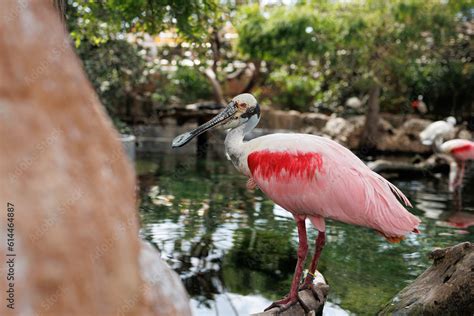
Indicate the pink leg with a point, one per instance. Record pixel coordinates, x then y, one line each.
462 172
302 252
320 241
459 176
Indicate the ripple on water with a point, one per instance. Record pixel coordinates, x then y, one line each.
235 250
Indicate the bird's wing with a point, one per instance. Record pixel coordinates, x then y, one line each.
462 149
314 176
452 144
428 135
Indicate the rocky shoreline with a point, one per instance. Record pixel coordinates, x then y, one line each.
398 132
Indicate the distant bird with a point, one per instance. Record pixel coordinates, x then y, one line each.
311 177
419 106
461 150
434 133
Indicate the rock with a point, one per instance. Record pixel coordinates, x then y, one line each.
462 133
354 102
70 185
339 129
162 285
445 288
397 120
311 303
315 120
405 138
278 119
345 131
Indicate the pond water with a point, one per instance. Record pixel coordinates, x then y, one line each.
235 250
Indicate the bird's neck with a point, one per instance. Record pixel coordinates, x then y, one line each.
235 145
234 141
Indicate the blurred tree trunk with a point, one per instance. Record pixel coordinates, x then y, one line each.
216 49
211 73
370 135
255 76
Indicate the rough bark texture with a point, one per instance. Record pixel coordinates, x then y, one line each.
370 135
433 164
73 190
445 288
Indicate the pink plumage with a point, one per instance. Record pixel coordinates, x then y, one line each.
461 150
311 177
316 177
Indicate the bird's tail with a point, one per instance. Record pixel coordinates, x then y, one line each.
396 239
389 216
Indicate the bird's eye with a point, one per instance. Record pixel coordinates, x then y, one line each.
241 106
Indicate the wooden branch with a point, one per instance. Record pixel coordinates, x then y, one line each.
216 86
370 134
311 301
255 67
435 163
445 288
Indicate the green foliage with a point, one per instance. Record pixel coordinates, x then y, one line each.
293 91
97 21
115 69
285 34
216 231
191 84
118 69
409 47
249 24
313 52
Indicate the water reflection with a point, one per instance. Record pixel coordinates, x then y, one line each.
235 250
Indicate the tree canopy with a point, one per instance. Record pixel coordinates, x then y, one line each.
99 20
309 56
407 47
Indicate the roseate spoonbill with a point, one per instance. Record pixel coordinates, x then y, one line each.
434 133
311 177
461 150
419 106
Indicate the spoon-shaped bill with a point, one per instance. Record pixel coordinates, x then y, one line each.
217 120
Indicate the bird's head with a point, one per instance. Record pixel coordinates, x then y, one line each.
241 110
451 120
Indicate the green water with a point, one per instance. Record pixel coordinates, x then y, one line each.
236 251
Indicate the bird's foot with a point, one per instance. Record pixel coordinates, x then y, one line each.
319 290
308 285
283 304
251 184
